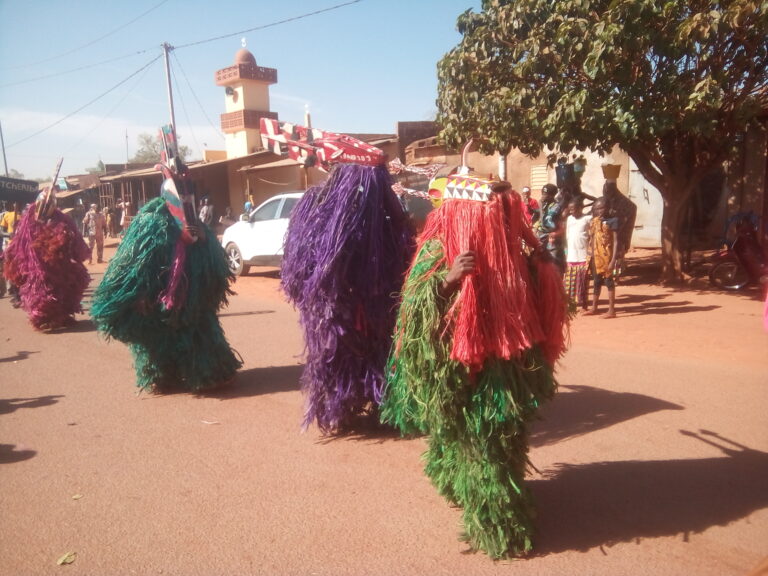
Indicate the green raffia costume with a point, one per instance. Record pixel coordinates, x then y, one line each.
477 420
177 344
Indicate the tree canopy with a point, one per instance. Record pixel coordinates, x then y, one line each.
671 82
150 147
98 169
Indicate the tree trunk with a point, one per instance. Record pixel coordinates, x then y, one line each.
675 207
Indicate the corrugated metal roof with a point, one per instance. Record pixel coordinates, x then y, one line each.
191 166
275 164
131 174
70 193
204 164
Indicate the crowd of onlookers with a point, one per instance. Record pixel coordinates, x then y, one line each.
586 236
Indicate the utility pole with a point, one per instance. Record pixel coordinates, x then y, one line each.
2 143
166 49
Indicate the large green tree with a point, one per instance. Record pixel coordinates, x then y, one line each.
672 82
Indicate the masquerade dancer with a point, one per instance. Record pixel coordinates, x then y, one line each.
44 262
163 288
346 251
483 319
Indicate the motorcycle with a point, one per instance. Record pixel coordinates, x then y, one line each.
741 262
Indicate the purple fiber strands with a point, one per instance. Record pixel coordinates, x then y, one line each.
346 252
174 294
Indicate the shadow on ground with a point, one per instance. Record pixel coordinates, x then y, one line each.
248 313
587 506
636 304
267 272
78 326
20 355
579 410
9 454
258 381
643 267
8 405
366 427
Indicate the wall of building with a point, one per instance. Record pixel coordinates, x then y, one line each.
242 143
408 132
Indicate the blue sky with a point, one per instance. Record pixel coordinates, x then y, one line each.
76 77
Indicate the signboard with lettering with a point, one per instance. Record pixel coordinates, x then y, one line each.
15 190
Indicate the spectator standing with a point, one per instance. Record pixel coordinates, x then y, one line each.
125 216
9 221
247 207
577 259
624 210
531 205
603 247
94 228
206 212
548 228
110 216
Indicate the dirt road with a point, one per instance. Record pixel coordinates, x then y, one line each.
652 459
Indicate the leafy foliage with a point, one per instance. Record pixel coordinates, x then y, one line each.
150 147
671 82
98 169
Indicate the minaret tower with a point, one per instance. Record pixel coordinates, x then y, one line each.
247 100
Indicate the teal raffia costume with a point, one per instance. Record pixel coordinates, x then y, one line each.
471 368
161 293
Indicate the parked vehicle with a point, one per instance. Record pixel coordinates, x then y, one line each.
741 261
257 239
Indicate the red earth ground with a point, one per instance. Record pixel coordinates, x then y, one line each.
651 459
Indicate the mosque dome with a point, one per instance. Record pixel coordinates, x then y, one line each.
243 56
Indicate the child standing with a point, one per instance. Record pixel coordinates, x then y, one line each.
577 258
603 243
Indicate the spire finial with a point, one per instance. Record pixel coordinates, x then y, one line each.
243 42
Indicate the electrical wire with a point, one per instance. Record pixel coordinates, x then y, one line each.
59 121
174 80
194 95
86 67
91 43
62 119
108 114
262 27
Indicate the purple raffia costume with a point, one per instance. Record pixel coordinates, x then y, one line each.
347 248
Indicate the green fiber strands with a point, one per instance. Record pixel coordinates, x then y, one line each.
477 423
179 348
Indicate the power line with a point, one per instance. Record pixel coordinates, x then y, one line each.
108 114
184 108
60 120
73 70
87 66
194 95
91 43
262 27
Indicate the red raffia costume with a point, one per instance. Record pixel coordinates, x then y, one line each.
471 370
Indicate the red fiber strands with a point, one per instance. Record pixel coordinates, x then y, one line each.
495 314
553 309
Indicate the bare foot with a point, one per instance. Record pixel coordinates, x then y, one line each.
610 315
589 312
